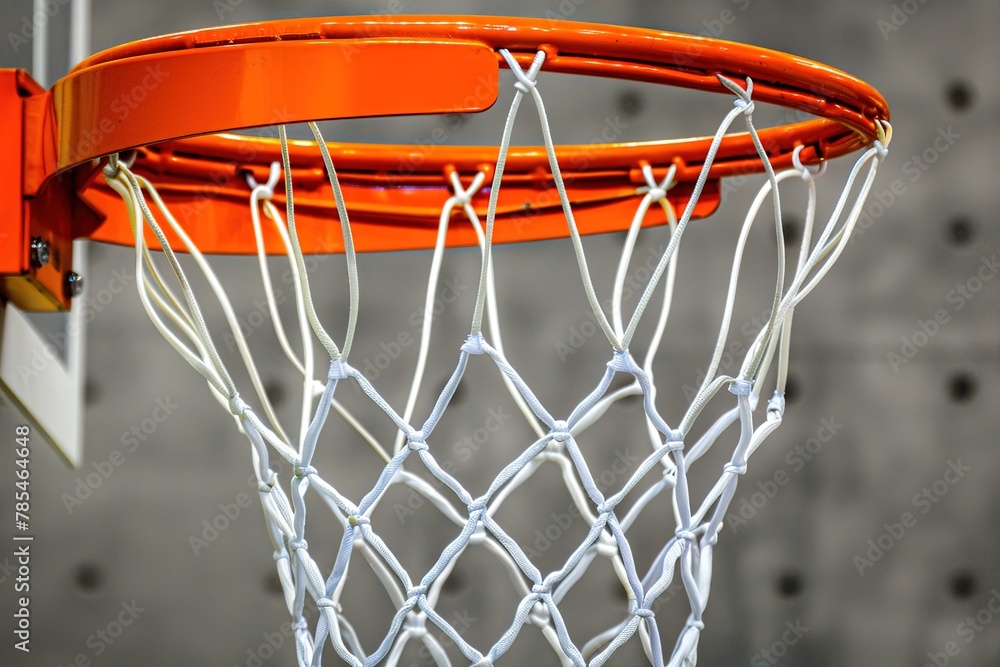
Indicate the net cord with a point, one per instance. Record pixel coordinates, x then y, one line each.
691 548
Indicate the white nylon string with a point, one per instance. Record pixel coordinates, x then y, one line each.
686 555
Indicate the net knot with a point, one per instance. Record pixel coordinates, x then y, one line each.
463 196
641 612
112 168
741 387
607 507
744 105
265 487
525 83
304 471
415 441
539 614
808 172
881 149
478 506
686 535
542 589
300 624
607 546
237 407
658 191
415 625
474 344
735 469
743 101
881 144
295 545
478 535
697 625
656 194
621 362
777 404
416 592
327 603
356 520
272 181
116 161
675 441
338 370
280 555
560 431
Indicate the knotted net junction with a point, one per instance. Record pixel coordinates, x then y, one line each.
687 550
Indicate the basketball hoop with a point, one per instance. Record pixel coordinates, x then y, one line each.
353 198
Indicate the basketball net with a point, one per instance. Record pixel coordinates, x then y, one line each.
687 547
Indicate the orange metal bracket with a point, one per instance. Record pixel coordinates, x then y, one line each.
45 218
168 97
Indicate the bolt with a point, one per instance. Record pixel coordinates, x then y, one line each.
39 252
74 284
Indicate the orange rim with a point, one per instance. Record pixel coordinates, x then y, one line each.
196 85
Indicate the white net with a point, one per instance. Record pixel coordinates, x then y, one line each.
688 543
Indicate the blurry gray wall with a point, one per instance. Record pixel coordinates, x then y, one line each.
918 283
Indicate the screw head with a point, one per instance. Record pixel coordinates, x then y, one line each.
74 284
39 252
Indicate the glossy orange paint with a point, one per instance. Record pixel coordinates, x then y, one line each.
169 98
15 85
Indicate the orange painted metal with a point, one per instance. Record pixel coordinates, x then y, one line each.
145 99
170 97
48 216
13 231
